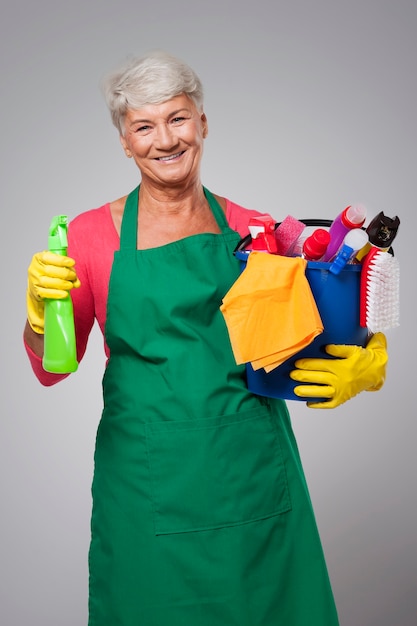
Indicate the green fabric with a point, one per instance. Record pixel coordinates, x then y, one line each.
201 515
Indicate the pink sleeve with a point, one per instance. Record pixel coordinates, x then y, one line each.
45 378
238 217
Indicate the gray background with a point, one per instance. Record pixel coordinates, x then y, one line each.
311 106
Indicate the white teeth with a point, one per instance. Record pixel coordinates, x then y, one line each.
168 158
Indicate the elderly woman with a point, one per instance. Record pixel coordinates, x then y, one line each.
201 514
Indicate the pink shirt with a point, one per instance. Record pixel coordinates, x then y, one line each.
92 241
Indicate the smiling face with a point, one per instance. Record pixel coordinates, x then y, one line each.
166 140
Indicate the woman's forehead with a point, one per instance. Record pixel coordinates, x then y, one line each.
182 101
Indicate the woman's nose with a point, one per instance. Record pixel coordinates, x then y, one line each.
165 138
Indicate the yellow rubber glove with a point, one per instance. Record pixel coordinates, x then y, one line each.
50 275
354 369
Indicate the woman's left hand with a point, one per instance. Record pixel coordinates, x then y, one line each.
336 380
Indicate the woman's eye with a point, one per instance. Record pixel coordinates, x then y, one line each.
177 120
142 129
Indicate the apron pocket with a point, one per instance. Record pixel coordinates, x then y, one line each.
216 472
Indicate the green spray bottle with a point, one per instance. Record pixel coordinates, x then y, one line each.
60 353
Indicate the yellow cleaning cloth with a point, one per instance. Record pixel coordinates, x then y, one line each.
270 311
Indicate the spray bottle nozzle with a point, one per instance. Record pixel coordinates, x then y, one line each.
57 240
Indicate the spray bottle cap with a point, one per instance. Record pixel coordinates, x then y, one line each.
354 216
356 239
315 245
382 230
57 240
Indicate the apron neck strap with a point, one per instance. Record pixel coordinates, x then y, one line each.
216 210
129 227
128 231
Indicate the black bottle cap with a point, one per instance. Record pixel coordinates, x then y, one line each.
382 230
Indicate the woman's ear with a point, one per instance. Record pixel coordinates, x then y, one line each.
204 125
124 146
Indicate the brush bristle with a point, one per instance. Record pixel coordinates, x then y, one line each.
382 292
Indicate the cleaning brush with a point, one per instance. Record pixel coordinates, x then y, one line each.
379 291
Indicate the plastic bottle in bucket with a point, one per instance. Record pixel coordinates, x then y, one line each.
313 247
352 217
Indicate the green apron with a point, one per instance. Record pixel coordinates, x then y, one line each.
201 515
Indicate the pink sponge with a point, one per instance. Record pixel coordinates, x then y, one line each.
287 233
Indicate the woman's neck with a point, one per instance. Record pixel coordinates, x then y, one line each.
171 201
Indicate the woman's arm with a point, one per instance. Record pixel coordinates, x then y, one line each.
92 240
33 340
44 276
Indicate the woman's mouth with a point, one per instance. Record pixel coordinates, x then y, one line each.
170 157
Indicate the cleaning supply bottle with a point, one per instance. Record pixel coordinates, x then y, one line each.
313 247
60 354
382 231
352 217
262 231
316 245
354 241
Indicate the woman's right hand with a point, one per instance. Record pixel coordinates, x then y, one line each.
50 275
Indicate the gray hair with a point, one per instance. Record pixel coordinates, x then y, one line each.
151 79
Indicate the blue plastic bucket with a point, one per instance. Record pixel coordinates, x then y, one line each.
338 299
